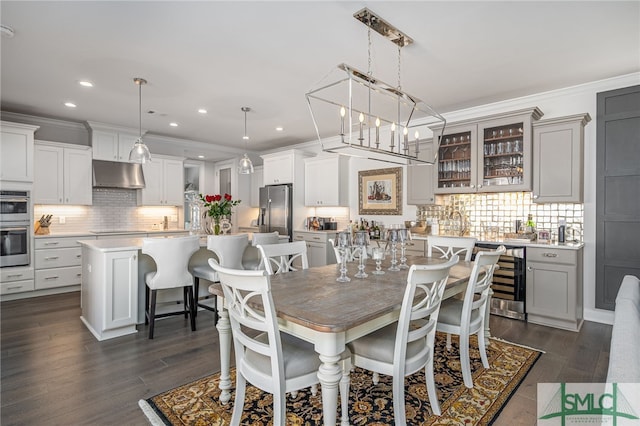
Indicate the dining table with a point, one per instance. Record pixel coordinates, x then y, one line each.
313 306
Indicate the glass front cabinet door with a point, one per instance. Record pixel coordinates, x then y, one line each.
491 154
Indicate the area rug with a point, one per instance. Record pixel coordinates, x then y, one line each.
197 403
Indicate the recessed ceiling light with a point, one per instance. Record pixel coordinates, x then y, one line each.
85 83
279 129
173 124
202 111
70 105
200 156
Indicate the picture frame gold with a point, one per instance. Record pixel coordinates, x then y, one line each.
380 191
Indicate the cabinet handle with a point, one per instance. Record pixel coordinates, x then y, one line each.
135 257
78 256
480 186
51 244
79 275
14 287
550 254
535 196
54 277
60 200
473 186
52 258
529 268
316 238
14 275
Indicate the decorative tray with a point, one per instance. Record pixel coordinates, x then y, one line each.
520 236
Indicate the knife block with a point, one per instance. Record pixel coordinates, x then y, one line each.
41 230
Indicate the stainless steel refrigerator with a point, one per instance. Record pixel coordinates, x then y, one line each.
275 212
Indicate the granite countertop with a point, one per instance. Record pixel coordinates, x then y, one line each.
58 234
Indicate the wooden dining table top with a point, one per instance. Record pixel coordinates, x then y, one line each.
312 298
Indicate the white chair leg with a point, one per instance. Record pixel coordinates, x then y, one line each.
431 388
345 381
238 407
279 408
314 390
375 378
398 400
294 394
464 360
448 341
483 349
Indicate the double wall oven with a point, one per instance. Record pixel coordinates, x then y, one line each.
15 228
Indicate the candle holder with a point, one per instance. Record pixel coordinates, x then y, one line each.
360 240
378 255
392 239
403 236
344 242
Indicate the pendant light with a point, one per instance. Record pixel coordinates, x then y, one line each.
139 153
245 167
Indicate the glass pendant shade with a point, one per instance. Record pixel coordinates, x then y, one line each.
245 167
140 152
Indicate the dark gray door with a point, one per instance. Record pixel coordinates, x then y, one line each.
618 192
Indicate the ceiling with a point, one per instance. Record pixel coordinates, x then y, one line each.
223 55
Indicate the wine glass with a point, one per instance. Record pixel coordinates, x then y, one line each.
392 238
360 240
403 237
344 243
378 254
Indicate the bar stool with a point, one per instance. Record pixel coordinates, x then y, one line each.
229 250
172 259
252 258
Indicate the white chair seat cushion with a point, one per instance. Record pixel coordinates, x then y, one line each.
148 276
299 357
205 272
380 345
451 312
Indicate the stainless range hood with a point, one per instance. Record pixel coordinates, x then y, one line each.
113 174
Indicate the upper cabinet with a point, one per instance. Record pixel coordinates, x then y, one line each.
111 143
489 154
256 183
558 146
62 174
280 167
326 181
164 182
420 188
16 152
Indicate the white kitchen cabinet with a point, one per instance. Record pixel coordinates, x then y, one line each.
112 145
257 182
420 183
280 167
16 152
16 280
558 165
109 292
164 182
319 250
58 262
326 181
62 174
554 287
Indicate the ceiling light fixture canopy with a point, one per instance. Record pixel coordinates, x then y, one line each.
245 167
140 152
366 116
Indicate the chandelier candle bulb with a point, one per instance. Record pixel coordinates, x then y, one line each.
405 132
343 112
417 136
361 120
377 132
393 134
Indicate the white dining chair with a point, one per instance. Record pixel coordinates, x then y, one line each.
467 317
403 348
279 258
171 255
229 250
272 361
252 258
445 247
336 250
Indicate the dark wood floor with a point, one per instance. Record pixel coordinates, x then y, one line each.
54 372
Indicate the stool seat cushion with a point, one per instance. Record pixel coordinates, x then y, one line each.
204 272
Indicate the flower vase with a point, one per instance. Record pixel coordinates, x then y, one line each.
216 226
225 225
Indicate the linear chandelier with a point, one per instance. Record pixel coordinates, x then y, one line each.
367 117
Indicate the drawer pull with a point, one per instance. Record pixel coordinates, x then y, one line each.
79 275
78 256
54 277
14 287
14 275
52 258
550 254
316 238
52 243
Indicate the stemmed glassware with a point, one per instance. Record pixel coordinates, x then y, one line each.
344 243
392 238
361 241
378 254
403 236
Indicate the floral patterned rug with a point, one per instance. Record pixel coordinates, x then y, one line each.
197 403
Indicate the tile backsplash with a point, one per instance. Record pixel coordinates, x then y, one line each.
112 209
502 210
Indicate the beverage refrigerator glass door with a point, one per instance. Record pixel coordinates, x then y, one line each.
14 243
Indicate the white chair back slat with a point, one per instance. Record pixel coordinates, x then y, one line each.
444 247
279 258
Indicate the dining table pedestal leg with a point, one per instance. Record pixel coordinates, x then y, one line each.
224 334
329 374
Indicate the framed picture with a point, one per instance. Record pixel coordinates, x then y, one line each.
544 237
380 191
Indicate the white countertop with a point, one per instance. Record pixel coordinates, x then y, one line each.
566 246
60 234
